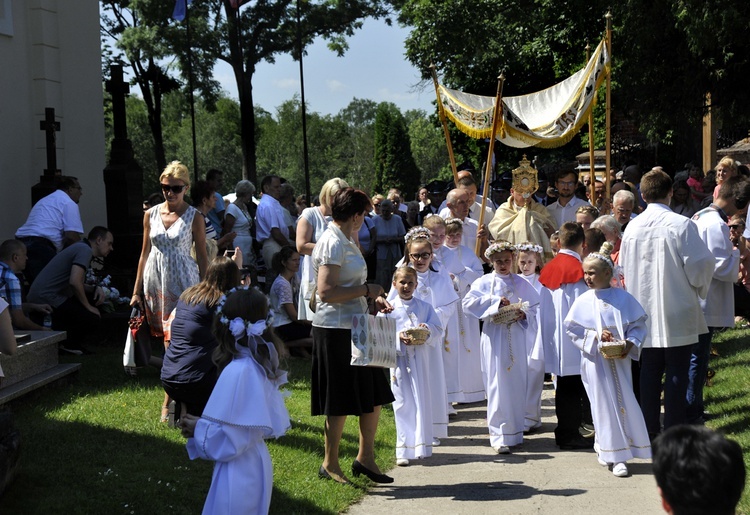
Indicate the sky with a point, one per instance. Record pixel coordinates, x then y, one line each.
373 68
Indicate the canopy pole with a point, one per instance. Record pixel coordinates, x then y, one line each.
592 162
497 115
444 122
608 151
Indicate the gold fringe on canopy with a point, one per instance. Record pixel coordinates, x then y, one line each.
548 118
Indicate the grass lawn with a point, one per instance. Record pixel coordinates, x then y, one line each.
96 446
728 397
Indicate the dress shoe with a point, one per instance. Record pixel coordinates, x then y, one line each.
576 444
502 449
620 470
358 468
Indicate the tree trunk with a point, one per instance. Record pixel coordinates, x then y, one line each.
152 98
243 67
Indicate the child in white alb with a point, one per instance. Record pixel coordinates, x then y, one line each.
245 408
529 262
436 289
411 379
600 316
504 343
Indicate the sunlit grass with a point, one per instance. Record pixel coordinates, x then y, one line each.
728 397
96 446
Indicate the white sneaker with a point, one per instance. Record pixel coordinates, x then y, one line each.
502 449
601 461
402 462
620 470
436 442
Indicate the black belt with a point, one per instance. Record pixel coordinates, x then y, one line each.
37 239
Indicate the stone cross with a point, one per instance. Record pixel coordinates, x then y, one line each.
118 89
50 126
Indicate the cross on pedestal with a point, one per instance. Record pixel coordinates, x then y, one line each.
118 89
50 126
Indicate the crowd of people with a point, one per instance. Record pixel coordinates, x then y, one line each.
615 298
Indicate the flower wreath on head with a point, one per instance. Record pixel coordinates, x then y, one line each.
454 221
417 233
238 326
529 247
499 246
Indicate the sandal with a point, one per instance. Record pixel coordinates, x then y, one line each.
164 414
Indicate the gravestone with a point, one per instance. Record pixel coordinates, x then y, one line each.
123 179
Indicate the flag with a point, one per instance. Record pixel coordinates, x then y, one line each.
180 9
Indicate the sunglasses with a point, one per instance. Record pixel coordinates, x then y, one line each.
423 255
736 226
174 189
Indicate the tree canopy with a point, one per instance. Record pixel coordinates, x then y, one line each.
667 54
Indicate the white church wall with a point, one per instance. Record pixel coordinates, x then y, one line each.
51 58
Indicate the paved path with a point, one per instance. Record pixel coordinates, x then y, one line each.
464 475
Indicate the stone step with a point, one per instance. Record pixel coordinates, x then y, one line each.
32 357
30 384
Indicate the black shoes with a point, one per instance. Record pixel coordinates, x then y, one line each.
358 468
576 444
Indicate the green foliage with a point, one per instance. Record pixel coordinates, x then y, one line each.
427 145
728 395
96 446
667 55
394 164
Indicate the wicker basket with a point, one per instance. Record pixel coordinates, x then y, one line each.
417 335
507 314
612 350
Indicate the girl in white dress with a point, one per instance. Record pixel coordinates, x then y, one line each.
245 407
504 344
468 269
529 263
605 314
411 379
436 289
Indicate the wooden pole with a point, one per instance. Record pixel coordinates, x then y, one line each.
497 119
608 151
441 113
592 162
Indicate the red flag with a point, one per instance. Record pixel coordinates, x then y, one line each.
237 3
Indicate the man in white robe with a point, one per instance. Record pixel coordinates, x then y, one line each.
667 268
458 205
718 307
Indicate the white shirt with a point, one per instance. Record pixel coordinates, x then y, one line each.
51 217
566 213
334 248
270 214
667 268
718 307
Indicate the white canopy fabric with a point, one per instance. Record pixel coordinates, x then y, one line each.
547 118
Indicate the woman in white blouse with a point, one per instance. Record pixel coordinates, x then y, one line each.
338 388
238 219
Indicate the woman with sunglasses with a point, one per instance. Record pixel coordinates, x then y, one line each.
166 268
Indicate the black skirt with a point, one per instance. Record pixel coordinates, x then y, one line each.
339 388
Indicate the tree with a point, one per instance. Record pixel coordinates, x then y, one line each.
394 164
146 39
427 146
260 31
667 53
359 117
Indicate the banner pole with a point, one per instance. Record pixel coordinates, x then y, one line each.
592 173
444 122
608 152
497 114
